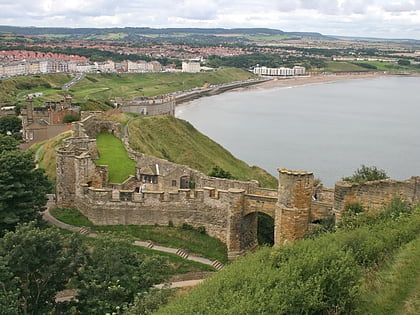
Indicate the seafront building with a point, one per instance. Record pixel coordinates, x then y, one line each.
282 71
43 66
191 66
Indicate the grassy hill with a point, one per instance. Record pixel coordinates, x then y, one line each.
368 268
178 141
14 90
95 91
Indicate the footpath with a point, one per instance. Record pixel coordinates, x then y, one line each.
176 251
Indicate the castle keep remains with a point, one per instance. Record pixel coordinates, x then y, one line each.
163 192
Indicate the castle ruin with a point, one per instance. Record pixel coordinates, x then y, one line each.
162 192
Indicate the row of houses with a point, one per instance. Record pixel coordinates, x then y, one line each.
282 71
29 67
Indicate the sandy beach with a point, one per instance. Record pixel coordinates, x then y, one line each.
311 79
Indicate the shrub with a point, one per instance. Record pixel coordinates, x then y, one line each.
365 174
70 117
201 230
186 226
217 171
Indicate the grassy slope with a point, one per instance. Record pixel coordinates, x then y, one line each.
96 89
47 153
178 141
396 288
112 153
190 240
108 86
13 89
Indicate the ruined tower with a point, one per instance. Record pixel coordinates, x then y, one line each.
293 206
29 109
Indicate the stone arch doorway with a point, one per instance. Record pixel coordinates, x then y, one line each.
265 229
249 228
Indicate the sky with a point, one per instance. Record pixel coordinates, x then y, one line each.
363 18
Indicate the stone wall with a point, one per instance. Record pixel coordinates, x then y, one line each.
376 194
294 205
150 106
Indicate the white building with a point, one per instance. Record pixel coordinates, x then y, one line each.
282 71
191 66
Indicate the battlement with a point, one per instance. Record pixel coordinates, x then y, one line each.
286 171
374 195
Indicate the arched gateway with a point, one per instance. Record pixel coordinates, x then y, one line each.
228 209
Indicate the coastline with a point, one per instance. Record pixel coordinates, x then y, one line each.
312 79
282 82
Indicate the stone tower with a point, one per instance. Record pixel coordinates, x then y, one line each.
294 205
29 109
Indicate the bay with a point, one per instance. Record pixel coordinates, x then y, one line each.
327 128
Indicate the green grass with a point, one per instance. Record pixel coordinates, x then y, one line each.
112 153
343 66
178 141
103 87
396 288
174 237
71 216
14 89
47 157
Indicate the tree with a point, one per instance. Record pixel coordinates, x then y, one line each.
11 124
217 171
23 189
7 143
113 276
39 263
365 174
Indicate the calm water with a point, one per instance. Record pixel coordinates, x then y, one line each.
329 128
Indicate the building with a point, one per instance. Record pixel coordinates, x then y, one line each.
282 71
191 66
42 123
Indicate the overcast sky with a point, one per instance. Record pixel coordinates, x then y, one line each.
369 18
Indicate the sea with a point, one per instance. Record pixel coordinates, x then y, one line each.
330 129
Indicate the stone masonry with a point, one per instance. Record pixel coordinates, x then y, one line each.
162 192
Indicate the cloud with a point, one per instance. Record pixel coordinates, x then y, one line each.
347 17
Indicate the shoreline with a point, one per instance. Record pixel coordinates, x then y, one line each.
312 79
284 82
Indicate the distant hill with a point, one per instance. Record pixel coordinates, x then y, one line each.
38 31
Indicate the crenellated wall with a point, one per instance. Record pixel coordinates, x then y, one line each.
228 209
376 194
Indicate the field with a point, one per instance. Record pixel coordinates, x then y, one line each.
112 153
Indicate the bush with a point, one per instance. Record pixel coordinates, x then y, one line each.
220 172
70 117
365 174
201 230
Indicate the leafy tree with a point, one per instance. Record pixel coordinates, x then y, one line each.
365 174
7 143
70 117
11 124
113 276
9 292
23 189
217 171
41 262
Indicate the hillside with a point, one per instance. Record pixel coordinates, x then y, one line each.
178 141
14 90
95 91
370 267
